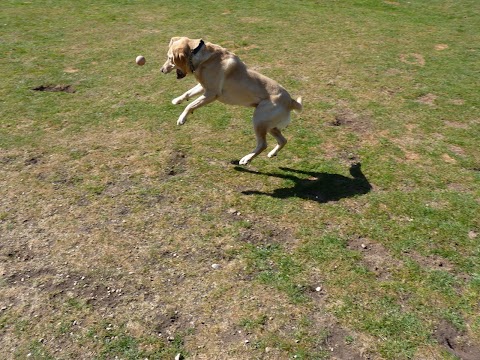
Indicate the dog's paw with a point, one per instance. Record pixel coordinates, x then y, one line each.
181 121
272 153
246 159
177 100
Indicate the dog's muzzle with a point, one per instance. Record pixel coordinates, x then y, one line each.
180 74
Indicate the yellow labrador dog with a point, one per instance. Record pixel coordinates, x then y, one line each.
222 76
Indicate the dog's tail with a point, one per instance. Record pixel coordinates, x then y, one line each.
297 104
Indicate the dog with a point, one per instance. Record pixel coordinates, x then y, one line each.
222 76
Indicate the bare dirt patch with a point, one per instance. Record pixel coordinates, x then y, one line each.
436 262
71 70
257 231
433 262
448 159
265 236
176 163
411 156
456 342
56 88
345 117
375 257
427 99
457 150
334 339
456 125
337 342
441 47
458 102
472 235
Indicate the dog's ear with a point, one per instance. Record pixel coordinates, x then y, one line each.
180 59
173 39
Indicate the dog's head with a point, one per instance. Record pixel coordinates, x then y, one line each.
178 55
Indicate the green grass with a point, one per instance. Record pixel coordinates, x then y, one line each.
111 216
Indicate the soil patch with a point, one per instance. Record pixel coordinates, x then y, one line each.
266 236
428 99
55 88
448 159
376 257
176 163
457 150
341 343
337 343
457 125
457 102
433 262
71 70
456 342
348 118
440 47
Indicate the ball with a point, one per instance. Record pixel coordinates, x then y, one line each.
140 60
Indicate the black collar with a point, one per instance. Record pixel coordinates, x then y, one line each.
195 52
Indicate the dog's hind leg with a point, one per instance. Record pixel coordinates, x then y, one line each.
196 90
281 141
261 134
263 116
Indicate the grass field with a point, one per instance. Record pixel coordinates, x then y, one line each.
361 240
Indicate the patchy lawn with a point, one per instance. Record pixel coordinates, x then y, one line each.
125 236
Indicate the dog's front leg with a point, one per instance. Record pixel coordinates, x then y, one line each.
199 102
196 90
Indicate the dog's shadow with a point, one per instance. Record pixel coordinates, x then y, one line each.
319 186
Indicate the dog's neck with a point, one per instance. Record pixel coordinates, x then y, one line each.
194 52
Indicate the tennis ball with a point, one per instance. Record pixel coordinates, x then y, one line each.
140 60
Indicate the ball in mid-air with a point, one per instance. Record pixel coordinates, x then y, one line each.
140 60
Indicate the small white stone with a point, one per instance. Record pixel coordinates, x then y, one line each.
216 266
318 289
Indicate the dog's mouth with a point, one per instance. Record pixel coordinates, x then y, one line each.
180 74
